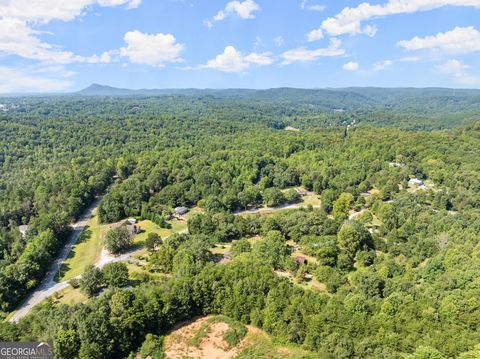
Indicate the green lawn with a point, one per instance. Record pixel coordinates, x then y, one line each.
70 296
311 200
85 251
178 225
147 227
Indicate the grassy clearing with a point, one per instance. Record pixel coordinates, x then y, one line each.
311 199
258 344
178 225
147 227
85 251
313 284
70 296
290 128
221 248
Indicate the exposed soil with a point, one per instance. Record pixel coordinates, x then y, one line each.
178 346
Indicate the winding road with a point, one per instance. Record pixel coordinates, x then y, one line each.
48 286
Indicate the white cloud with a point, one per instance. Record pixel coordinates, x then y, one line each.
17 38
258 43
316 7
16 80
243 9
459 71
151 49
349 20
208 23
46 10
351 66
259 59
302 55
315 35
382 65
278 41
19 19
232 60
460 40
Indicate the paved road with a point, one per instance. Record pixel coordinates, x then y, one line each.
48 286
274 209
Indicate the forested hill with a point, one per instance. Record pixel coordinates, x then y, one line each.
404 108
352 98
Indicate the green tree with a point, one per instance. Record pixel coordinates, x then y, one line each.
241 246
272 250
424 352
115 274
342 205
118 240
291 196
273 197
353 237
152 347
152 241
91 281
66 344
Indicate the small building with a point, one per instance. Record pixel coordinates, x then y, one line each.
227 257
132 220
131 227
416 181
23 230
395 164
365 194
180 210
301 192
301 260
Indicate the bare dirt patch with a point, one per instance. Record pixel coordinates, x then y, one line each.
178 345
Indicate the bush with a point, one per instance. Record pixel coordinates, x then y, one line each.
74 282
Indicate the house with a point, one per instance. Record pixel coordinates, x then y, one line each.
365 194
227 257
132 220
180 210
301 192
395 164
416 181
301 260
132 228
23 230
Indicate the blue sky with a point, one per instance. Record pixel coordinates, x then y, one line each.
59 45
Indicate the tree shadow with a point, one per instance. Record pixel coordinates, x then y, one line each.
84 236
65 267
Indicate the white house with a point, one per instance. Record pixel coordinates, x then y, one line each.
416 181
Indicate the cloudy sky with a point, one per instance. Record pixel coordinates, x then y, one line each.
65 45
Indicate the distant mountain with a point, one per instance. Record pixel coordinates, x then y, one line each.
284 93
418 100
103 90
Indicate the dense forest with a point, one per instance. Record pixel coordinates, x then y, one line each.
401 278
